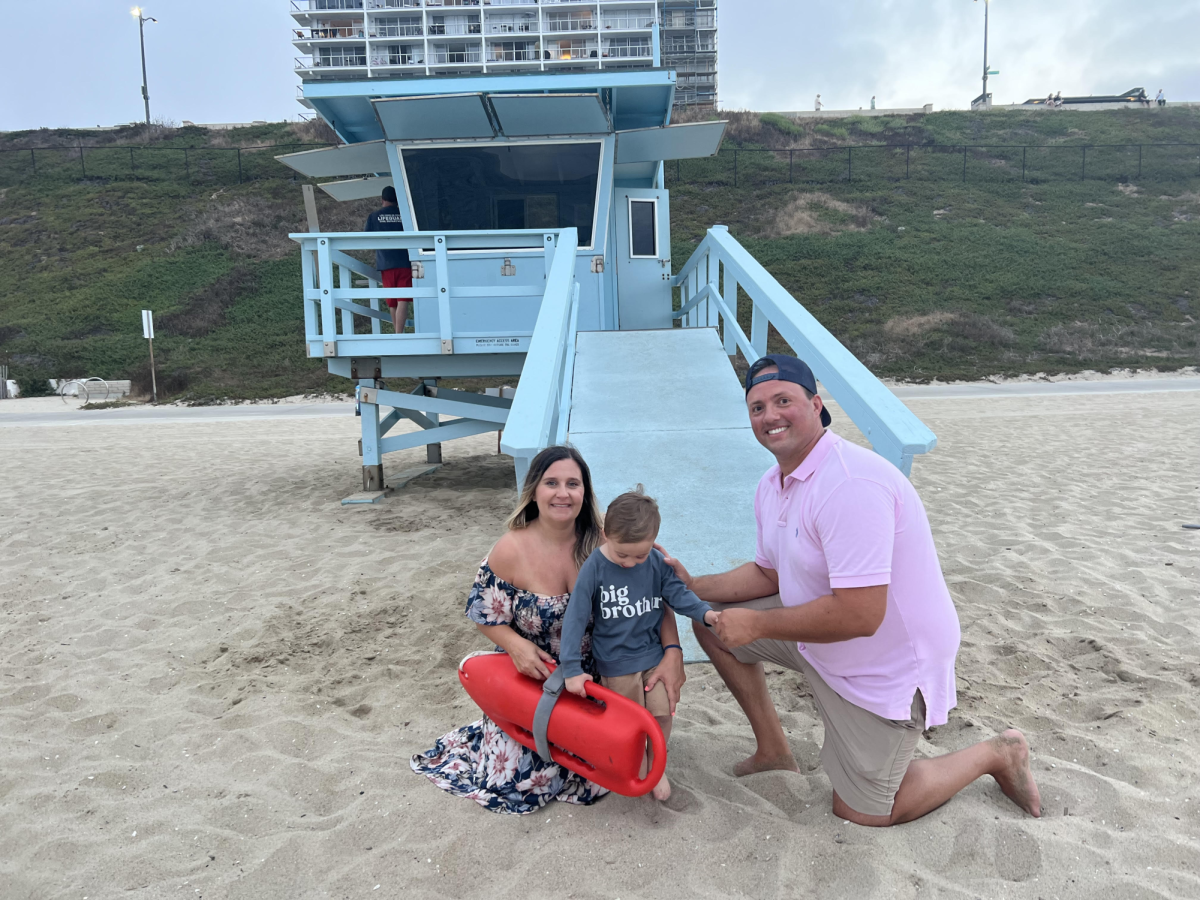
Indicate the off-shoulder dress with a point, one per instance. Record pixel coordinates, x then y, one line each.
479 760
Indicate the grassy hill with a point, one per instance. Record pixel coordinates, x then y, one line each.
921 277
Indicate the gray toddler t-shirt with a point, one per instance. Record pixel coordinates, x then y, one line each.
626 606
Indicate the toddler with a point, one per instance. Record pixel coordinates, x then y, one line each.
622 587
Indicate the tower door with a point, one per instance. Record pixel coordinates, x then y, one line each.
643 258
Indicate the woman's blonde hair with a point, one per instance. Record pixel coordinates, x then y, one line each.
588 534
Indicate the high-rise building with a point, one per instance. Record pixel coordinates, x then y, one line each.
356 39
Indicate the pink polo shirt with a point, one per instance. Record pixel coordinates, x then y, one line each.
849 518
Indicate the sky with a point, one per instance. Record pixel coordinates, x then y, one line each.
232 61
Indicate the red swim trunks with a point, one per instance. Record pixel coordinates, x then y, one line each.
396 278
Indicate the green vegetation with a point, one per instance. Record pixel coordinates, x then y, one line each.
922 277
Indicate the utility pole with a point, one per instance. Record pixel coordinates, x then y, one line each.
142 20
983 96
148 334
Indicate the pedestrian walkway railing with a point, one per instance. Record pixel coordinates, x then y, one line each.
708 285
474 291
541 408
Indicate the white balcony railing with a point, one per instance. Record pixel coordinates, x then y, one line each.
413 57
448 56
331 62
455 28
628 51
501 54
529 27
560 26
560 53
510 2
326 5
394 4
330 33
393 31
627 23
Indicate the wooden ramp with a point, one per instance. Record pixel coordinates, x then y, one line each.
664 408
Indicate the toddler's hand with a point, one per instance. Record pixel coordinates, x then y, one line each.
575 684
711 617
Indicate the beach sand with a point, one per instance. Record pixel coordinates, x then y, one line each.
212 676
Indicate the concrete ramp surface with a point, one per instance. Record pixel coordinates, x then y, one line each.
665 408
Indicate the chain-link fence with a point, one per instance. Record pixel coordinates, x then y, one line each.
123 162
939 162
737 167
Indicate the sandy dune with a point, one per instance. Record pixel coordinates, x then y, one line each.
212 676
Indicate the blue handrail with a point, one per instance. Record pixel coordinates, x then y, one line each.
893 430
543 394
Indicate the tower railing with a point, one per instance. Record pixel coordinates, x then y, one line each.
708 284
343 295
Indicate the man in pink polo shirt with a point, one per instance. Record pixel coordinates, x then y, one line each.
846 587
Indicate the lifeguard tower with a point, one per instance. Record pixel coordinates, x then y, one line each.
538 223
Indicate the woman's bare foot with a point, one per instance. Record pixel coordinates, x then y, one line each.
662 790
752 764
1015 776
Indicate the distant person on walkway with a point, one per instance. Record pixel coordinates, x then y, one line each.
1058 100
392 264
817 105
1160 99
872 101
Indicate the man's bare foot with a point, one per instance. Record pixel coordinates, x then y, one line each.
1015 776
662 790
756 763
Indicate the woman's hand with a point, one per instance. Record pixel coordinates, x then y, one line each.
529 658
670 673
681 572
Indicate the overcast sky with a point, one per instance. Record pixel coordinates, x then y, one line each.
231 60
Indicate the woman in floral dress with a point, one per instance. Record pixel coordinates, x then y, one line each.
517 601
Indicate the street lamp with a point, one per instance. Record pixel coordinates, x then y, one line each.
983 98
136 12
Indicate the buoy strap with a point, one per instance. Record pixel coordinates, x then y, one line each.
552 688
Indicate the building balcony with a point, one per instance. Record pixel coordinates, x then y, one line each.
306 65
567 26
455 54
304 8
498 53
628 23
446 4
455 28
395 31
565 51
394 4
524 26
316 34
613 50
414 58
510 2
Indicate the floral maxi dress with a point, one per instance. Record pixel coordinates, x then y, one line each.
479 760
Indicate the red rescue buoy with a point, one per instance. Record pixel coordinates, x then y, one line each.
605 744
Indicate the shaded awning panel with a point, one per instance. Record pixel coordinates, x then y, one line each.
356 188
334 162
526 115
689 141
434 117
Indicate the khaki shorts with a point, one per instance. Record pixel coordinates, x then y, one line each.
633 687
865 755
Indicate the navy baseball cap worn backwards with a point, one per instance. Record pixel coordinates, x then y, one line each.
790 369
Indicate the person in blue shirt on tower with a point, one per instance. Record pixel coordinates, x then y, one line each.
392 264
622 588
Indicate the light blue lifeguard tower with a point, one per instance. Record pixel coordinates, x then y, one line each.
538 223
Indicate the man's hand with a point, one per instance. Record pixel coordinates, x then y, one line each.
670 673
738 627
575 684
681 573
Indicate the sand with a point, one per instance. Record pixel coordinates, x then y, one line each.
212 676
